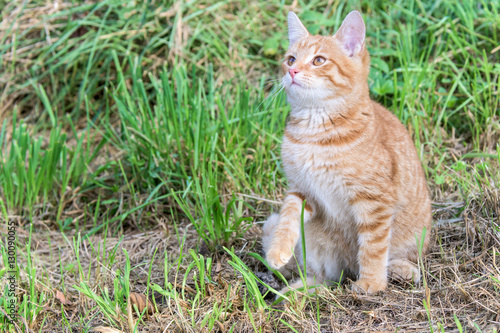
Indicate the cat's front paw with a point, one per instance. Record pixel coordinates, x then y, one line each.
369 286
278 256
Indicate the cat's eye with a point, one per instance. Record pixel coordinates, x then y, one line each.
290 61
318 61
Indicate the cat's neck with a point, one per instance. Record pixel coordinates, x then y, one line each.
332 114
303 110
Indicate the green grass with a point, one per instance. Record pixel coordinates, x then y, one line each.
140 151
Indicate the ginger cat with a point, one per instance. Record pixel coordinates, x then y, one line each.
352 161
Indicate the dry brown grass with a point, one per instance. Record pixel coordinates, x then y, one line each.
462 271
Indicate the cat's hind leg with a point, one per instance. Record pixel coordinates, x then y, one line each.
401 269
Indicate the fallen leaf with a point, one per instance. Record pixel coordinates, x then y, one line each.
60 296
141 302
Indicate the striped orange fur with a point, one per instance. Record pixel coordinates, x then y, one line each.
352 161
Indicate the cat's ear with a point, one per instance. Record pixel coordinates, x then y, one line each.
296 30
351 33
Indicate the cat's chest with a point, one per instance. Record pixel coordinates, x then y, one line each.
309 161
318 173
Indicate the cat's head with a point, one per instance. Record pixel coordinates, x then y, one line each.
318 69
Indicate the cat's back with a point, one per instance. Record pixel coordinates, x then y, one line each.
392 131
413 198
395 139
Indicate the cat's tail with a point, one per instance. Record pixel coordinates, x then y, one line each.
268 231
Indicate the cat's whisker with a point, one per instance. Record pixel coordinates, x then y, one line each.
272 80
272 95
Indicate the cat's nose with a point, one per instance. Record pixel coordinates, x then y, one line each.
292 72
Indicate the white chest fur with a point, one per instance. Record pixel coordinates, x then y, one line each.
313 171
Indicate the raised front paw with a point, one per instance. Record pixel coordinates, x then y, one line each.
369 286
278 256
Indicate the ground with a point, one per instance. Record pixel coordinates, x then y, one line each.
140 156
